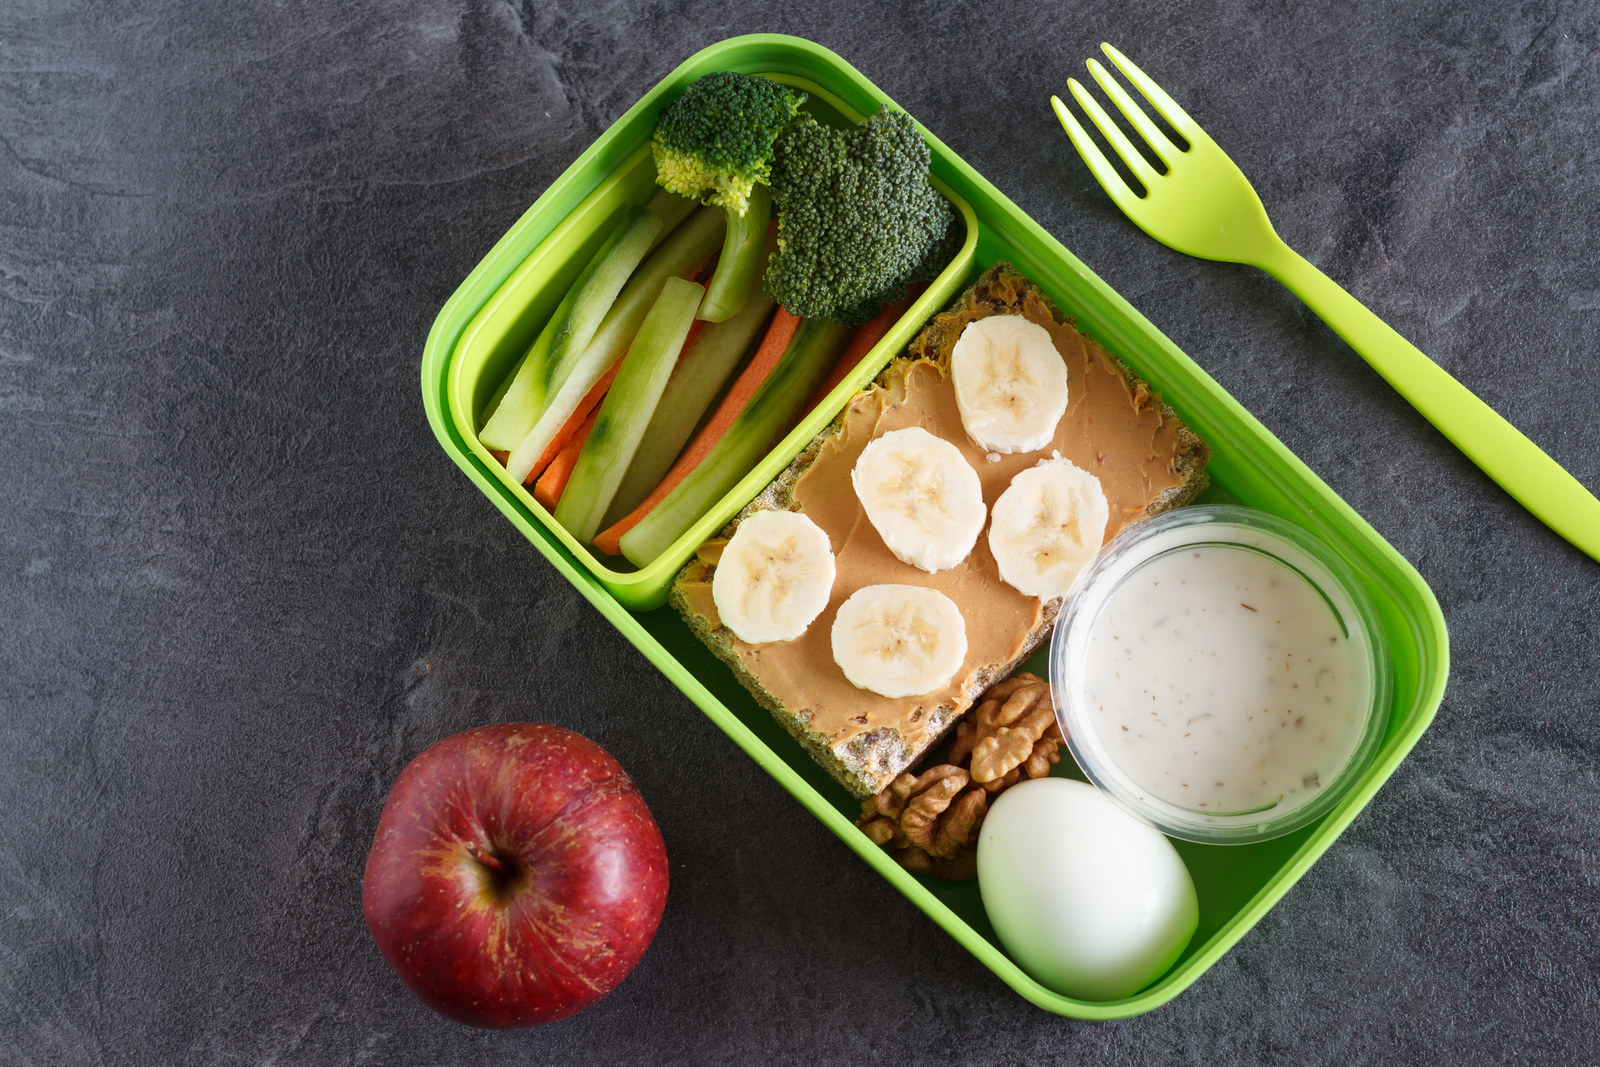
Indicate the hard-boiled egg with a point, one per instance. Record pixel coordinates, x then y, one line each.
1090 901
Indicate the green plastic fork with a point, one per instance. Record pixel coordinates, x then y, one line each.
1204 206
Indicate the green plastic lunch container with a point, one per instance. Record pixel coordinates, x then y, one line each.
492 318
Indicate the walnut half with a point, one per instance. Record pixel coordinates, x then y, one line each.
1014 716
917 810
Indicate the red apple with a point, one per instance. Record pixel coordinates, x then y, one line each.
516 875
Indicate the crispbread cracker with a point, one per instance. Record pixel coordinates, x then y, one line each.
876 747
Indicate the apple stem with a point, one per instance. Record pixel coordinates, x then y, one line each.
488 858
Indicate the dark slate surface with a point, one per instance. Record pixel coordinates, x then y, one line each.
240 584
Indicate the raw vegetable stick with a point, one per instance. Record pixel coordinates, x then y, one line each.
557 470
538 353
627 408
547 490
591 297
773 345
688 245
575 425
705 368
763 422
710 357
580 419
671 209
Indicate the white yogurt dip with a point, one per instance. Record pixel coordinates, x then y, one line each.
1217 675
1220 680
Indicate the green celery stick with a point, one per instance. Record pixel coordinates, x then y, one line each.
671 209
763 422
741 258
679 254
627 408
570 330
697 380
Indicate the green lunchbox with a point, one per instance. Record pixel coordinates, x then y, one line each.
493 316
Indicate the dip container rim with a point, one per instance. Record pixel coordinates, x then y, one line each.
1213 524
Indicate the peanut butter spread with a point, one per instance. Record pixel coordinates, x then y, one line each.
1113 427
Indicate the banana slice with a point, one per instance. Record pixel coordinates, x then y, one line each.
899 640
1011 383
774 577
1047 525
922 496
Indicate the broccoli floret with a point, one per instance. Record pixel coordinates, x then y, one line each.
857 219
714 143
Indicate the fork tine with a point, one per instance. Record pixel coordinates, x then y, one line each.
1098 164
1131 157
1152 134
1165 106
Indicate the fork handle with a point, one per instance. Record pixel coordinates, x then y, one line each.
1521 467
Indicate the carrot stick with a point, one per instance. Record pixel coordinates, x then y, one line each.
779 333
558 472
579 417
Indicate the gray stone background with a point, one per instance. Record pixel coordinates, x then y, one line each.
241 585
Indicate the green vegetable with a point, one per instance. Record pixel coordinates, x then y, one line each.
741 260
671 209
502 426
705 368
715 142
688 245
763 422
550 359
857 219
626 410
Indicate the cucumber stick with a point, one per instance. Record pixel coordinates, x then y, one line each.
507 423
570 329
763 422
697 380
671 209
627 408
680 253
741 258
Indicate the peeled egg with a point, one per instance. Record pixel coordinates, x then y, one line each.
1087 899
